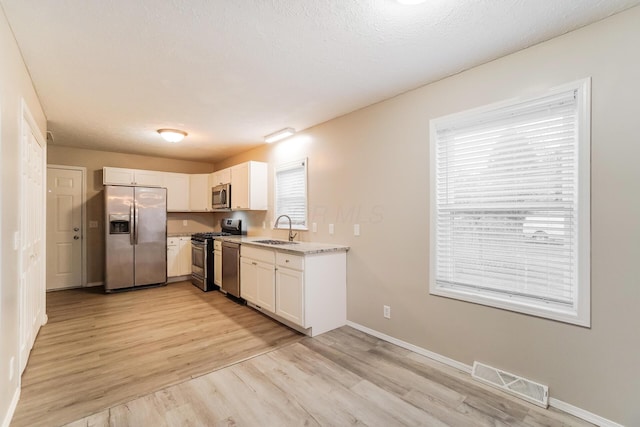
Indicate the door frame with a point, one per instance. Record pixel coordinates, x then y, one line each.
83 210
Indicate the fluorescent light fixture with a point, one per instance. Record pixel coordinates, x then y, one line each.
172 135
409 2
281 134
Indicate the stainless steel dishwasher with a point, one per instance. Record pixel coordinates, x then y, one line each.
231 268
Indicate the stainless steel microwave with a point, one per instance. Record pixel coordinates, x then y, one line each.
221 197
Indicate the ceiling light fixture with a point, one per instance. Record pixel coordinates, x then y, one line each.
172 135
410 2
281 134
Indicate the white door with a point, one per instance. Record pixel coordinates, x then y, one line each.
32 236
64 228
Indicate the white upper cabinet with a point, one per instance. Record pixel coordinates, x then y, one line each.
178 185
149 178
199 190
249 186
221 177
122 176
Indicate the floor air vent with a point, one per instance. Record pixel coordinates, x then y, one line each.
528 390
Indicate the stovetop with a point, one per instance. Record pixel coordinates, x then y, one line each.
208 235
229 227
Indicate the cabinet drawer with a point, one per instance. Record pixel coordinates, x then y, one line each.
287 260
173 241
264 255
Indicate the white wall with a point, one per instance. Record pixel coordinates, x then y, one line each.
372 167
15 84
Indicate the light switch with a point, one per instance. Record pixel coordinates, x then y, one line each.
93 224
314 227
356 229
185 222
16 240
331 229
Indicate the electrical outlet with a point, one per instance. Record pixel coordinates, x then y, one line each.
386 311
11 363
314 227
93 224
16 240
185 222
356 229
331 229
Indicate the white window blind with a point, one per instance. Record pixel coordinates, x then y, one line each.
291 193
510 205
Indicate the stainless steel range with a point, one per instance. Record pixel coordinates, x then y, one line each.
202 253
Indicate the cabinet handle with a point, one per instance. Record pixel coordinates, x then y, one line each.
254 263
286 260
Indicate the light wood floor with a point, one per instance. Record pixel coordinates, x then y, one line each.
98 351
343 377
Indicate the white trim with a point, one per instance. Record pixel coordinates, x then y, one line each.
583 414
431 355
556 403
12 407
83 273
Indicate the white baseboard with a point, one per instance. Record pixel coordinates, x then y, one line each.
581 413
92 284
430 354
12 408
558 404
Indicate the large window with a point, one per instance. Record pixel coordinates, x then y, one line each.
510 205
291 194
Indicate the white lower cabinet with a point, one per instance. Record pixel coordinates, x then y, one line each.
307 292
257 273
173 260
217 262
178 256
290 295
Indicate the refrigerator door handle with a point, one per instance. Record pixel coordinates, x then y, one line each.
135 209
132 225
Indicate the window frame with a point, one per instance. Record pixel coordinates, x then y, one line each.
580 312
284 225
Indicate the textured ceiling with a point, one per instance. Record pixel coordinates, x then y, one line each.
111 72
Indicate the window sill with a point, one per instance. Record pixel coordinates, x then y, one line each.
547 311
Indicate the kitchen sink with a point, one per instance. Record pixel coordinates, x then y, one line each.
275 242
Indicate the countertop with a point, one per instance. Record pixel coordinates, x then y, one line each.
301 248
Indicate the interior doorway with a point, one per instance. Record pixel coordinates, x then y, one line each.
65 227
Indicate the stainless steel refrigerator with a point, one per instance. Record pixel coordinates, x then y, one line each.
136 236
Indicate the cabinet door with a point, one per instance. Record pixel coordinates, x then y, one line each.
173 257
199 187
222 177
240 186
217 268
117 176
266 292
177 191
148 178
258 186
249 279
290 295
185 256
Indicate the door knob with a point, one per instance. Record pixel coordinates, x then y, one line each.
76 229
76 237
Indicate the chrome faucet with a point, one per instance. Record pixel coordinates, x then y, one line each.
291 235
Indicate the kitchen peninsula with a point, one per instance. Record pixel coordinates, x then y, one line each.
301 284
